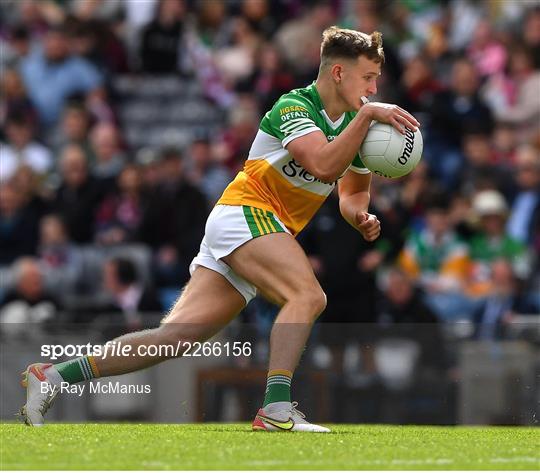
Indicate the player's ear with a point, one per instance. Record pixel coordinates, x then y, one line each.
337 72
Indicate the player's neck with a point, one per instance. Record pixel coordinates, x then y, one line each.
331 101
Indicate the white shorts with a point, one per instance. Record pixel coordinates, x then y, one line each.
227 228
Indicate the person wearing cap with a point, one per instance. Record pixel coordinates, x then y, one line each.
492 242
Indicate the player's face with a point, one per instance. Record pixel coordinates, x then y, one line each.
358 79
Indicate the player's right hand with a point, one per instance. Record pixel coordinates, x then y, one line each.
392 114
368 225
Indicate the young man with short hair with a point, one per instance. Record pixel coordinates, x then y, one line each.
305 144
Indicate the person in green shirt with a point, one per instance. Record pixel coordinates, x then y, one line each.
492 242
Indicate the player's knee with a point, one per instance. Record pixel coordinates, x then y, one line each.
320 302
315 299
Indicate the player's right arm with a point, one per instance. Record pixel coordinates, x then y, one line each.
327 161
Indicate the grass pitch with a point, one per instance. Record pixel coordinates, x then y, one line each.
234 446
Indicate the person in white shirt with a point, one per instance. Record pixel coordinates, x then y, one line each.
22 150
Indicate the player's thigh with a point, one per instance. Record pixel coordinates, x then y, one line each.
206 305
277 265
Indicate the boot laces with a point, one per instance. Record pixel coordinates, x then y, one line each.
296 411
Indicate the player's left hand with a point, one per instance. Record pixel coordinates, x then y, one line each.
368 225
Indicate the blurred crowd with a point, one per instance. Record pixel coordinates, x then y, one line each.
90 224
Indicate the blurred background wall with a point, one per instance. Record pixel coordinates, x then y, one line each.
123 120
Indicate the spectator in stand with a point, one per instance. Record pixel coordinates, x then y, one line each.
173 224
209 31
491 242
106 150
79 195
257 14
151 169
236 61
299 40
13 99
436 258
120 214
29 301
95 41
454 112
408 201
19 45
212 24
36 196
503 301
242 126
438 52
403 303
74 128
460 216
419 86
505 142
22 150
270 79
23 16
522 109
59 258
128 294
524 221
485 51
37 15
394 212
161 43
18 225
480 171
52 75
205 172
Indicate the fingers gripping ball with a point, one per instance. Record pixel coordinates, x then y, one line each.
388 153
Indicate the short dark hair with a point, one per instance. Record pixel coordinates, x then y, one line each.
18 119
170 153
20 33
343 43
59 28
201 141
126 272
436 201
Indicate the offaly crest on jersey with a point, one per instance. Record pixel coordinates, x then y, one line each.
271 179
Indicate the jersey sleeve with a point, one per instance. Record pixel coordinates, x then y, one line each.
358 166
290 118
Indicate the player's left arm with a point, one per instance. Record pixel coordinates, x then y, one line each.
353 189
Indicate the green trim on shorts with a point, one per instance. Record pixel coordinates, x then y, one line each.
250 219
279 228
261 222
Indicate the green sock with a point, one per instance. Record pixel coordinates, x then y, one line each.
278 387
78 369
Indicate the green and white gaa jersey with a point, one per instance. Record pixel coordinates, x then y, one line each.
271 179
